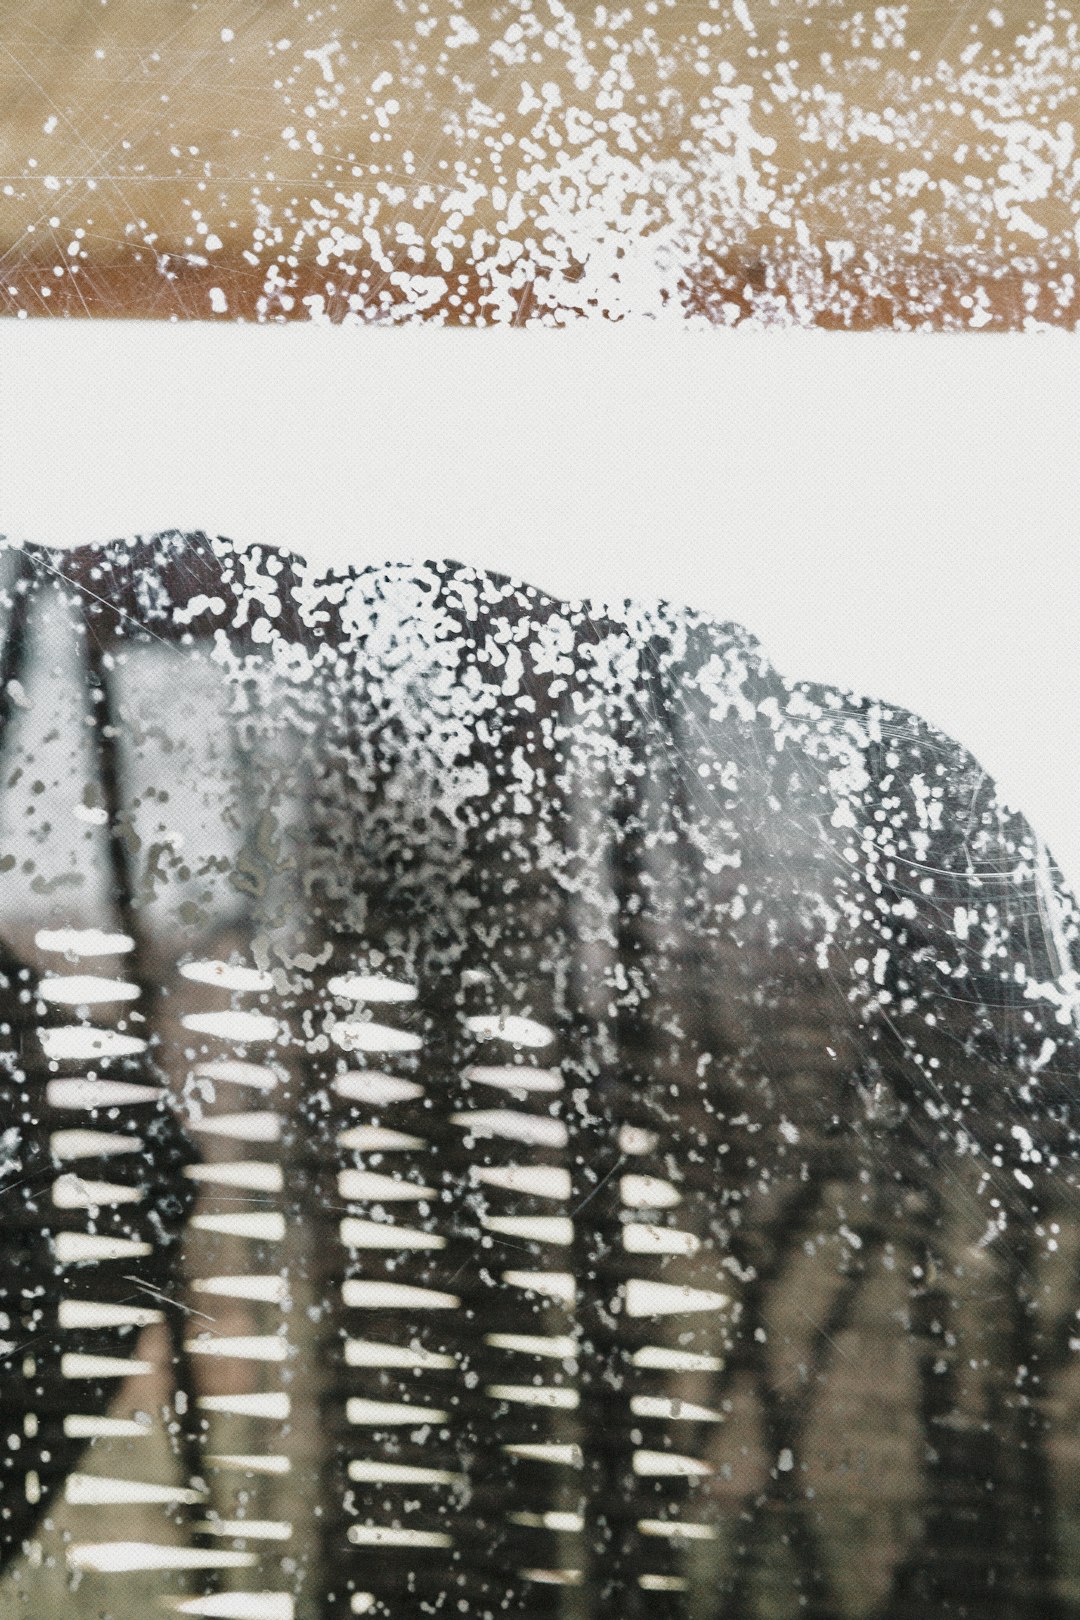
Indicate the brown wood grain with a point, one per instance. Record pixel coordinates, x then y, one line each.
919 162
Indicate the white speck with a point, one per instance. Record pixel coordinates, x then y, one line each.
50 124
218 302
462 32
227 36
322 57
740 10
212 244
785 1462
1046 1052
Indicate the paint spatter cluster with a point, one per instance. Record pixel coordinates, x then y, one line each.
530 161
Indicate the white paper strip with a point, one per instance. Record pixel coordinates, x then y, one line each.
256 1125
555 1229
375 1472
539 1130
667 1464
677 1530
514 1077
254 1174
647 1298
372 1086
250 1347
77 1144
263 1226
77 1248
508 1027
70 1191
85 1313
232 1025
548 1395
94 1490
365 1138
271 1404
538 1180
378 1535
640 1238
272 1289
353 1036
356 1234
363 1294
226 975
648 1192
558 1285
251 1463
368 1353
235 1072
126 1557
365 1185
568 1456
557 1345
83 1041
84 989
80 1427
73 1365
564 1523
632 1139
670 1408
378 1414
247 1529
236 1606
370 987
662 1359
83 942
84 1093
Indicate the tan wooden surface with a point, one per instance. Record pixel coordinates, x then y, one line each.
819 162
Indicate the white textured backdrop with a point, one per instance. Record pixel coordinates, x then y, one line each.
893 514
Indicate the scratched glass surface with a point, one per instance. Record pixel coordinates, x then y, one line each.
811 162
512 1108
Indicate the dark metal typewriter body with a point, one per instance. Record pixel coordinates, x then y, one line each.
511 1109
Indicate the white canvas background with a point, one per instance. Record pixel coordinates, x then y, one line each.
897 515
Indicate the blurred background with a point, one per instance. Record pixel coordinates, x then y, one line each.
799 162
